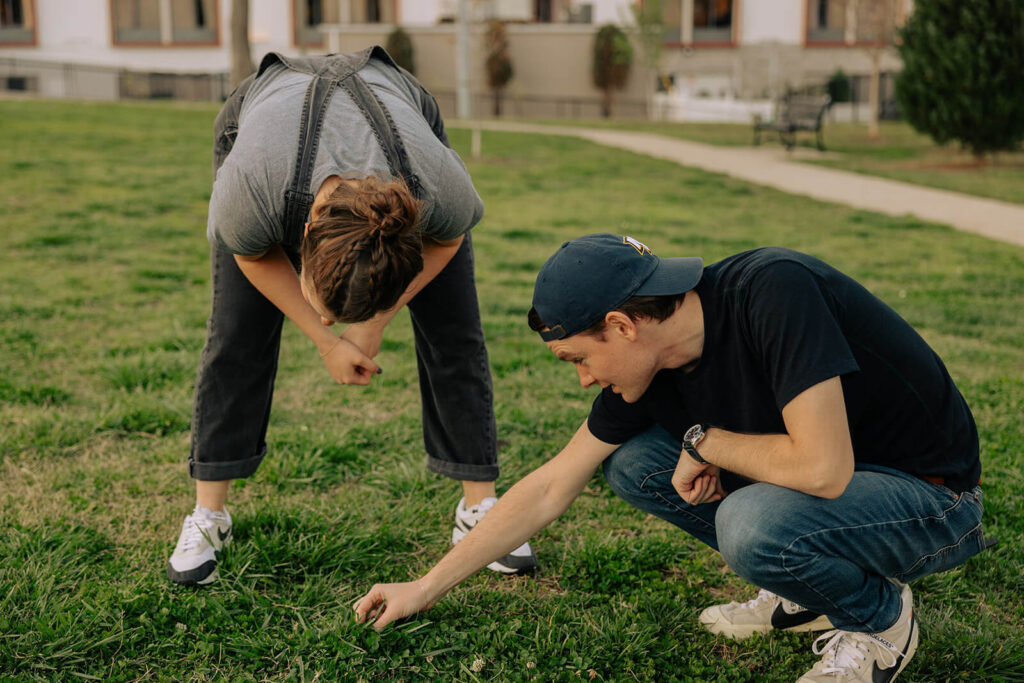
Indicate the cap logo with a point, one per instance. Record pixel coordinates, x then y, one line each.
640 247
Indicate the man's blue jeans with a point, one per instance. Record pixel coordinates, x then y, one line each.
831 556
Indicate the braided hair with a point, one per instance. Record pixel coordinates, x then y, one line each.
363 248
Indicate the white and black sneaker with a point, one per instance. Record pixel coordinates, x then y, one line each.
522 560
867 657
766 612
203 535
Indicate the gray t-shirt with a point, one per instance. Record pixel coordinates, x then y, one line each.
247 204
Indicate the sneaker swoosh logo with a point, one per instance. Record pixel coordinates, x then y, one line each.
223 534
781 619
885 675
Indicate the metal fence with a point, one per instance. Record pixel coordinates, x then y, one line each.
107 83
543 106
112 83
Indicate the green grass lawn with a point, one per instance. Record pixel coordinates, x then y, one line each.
900 153
103 300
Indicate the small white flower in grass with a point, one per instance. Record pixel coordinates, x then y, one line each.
181 627
530 665
477 666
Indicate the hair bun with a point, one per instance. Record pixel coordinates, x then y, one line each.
362 249
389 211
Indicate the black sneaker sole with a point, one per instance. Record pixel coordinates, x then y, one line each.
512 564
199 576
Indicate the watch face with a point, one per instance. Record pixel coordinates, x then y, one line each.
692 434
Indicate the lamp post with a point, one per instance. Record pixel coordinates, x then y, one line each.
462 96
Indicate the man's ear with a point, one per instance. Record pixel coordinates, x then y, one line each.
620 323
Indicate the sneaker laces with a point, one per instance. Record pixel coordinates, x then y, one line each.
194 530
762 596
844 650
471 514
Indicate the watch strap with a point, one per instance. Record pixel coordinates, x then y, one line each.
692 450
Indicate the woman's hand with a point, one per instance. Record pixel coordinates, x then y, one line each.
365 336
348 365
389 602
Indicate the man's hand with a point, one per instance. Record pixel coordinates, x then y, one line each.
697 482
392 601
365 336
348 365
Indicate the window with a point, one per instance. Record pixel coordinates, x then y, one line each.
542 11
697 21
712 21
311 13
165 22
17 24
853 21
826 23
672 20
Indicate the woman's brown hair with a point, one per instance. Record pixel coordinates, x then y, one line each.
363 248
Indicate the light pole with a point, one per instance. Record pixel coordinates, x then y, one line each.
462 98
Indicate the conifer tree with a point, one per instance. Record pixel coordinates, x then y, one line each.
613 55
399 46
963 75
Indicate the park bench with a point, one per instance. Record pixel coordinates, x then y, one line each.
795 113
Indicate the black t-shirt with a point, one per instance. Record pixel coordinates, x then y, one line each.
777 322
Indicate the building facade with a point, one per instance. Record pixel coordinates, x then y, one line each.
710 49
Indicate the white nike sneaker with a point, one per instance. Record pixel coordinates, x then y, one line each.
522 560
203 535
766 612
866 657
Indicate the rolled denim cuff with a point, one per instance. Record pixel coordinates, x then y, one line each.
225 470
462 471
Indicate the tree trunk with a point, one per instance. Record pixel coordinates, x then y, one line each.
874 93
497 103
241 58
606 102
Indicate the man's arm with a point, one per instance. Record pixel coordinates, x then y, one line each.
815 456
272 274
436 256
525 509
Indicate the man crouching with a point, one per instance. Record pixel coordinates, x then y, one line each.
771 407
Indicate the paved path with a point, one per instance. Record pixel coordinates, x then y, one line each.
772 166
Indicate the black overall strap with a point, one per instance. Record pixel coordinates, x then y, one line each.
328 72
297 198
384 130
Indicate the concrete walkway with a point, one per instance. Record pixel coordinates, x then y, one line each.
772 166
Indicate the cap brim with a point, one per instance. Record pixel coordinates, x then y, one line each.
673 276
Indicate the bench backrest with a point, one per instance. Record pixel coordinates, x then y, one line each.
805 110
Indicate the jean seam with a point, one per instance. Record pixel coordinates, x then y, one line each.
197 410
945 549
667 502
943 516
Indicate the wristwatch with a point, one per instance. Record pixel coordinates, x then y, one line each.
693 436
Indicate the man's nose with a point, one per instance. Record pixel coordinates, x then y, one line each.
585 377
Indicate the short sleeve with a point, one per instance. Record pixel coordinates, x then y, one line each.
239 221
795 331
456 207
614 421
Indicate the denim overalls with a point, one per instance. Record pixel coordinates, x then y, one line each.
235 382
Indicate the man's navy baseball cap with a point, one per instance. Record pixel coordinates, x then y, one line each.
594 274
